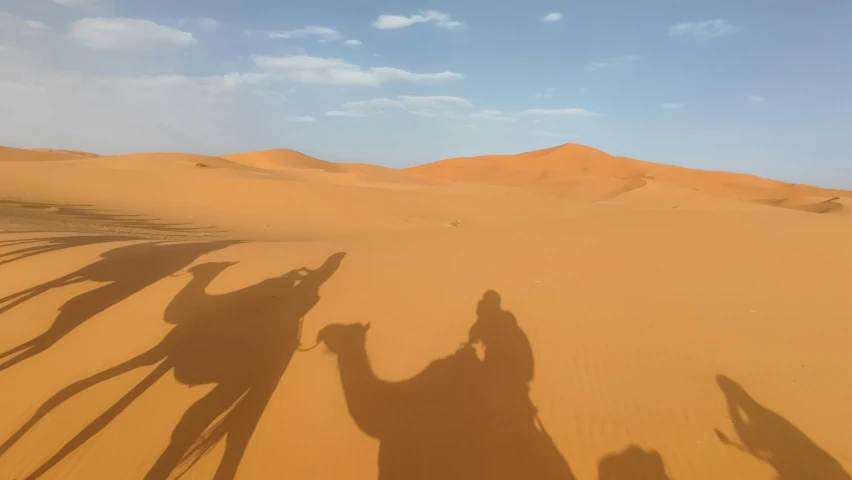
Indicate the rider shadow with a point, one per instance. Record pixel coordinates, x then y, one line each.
241 342
124 271
461 417
771 438
632 464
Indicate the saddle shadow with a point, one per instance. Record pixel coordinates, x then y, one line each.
771 438
241 342
461 417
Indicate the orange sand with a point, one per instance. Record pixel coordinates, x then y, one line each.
627 320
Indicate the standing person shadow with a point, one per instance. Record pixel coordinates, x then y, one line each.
241 342
771 438
461 417
633 464
124 271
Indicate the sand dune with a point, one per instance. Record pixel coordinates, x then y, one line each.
560 314
282 159
580 172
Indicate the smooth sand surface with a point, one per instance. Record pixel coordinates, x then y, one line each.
627 320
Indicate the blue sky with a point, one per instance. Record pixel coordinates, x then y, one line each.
756 86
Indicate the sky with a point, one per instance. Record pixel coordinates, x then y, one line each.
753 86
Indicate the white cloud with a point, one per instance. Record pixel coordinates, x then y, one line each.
393 22
708 29
496 115
128 34
560 112
325 34
346 113
551 17
271 94
200 23
333 71
299 119
424 106
755 99
672 106
352 43
614 62
85 4
545 133
109 114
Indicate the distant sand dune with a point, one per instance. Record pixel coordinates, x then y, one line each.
584 173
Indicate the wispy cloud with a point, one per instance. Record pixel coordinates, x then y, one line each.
85 4
346 113
551 17
711 28
352 43
495 115
613 62
128 34
672 106
439 19
35 25
299 119
424 106
545 133
200 23
14 25
755 99
333 71
325 34
560 112
548 93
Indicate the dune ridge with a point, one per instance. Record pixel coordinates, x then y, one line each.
571 171
578 171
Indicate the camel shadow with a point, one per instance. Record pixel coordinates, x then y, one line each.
124 271
632 464
771 438
241 342
461 417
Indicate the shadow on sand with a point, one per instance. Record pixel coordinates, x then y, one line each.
124 271
632 464
88 217
461 417
241 342
771 438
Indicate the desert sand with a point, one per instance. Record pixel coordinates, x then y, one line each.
559 314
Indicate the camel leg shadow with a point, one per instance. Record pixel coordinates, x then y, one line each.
148 358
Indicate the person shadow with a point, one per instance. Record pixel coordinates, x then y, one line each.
633 463
769 437
241 342
459 418
124 271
